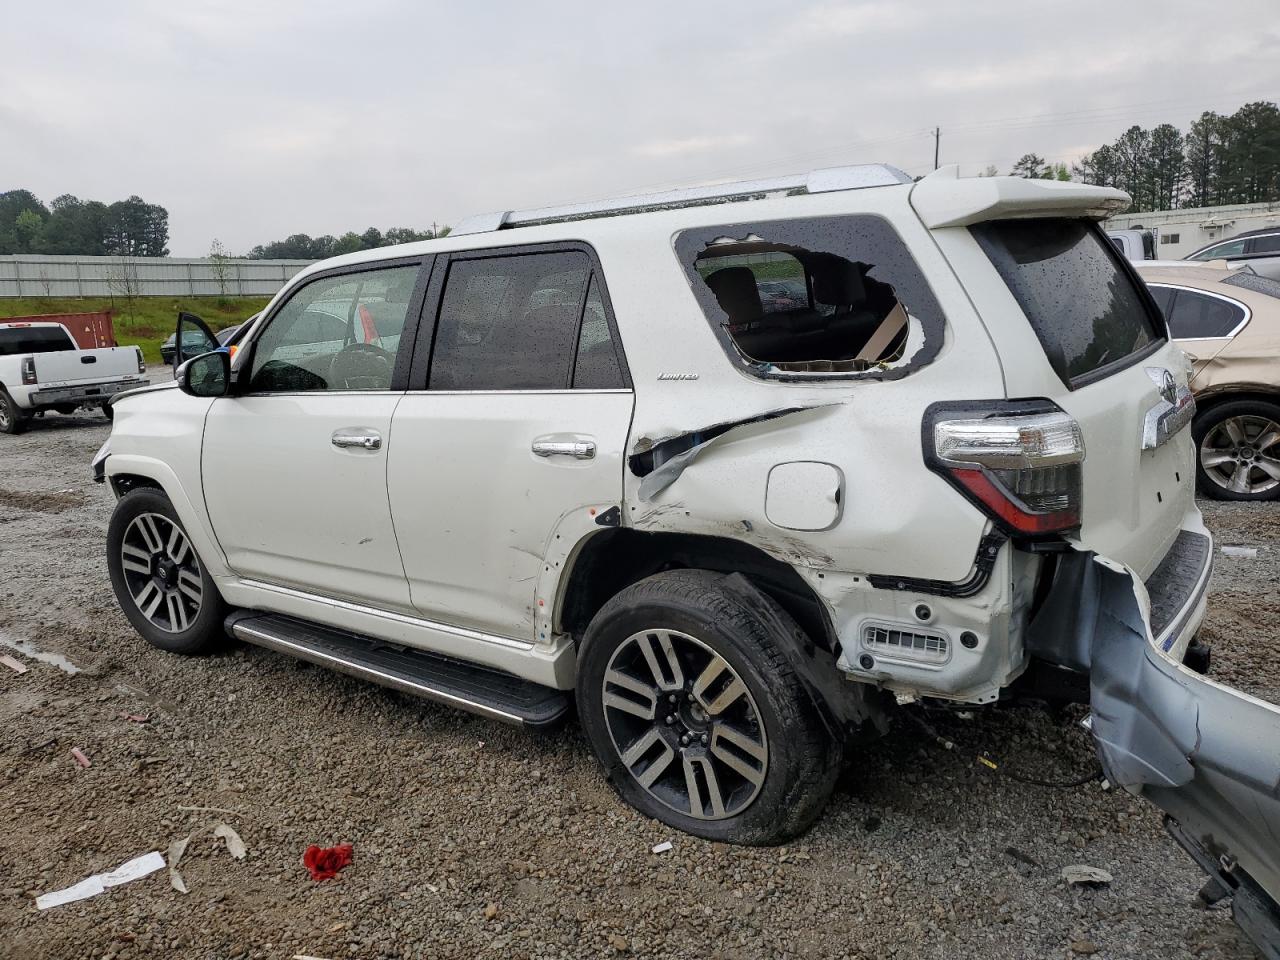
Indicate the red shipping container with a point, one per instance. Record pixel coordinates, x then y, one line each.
89 330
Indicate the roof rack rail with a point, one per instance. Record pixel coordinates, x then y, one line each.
816 181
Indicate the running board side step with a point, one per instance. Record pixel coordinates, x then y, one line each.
455 683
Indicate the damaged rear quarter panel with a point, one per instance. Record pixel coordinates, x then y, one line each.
897 516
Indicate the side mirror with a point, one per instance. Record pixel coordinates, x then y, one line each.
208 375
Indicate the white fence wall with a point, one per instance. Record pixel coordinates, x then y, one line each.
28 275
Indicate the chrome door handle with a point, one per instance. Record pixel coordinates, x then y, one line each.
578 449
364 439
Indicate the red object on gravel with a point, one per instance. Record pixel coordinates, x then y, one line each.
325 862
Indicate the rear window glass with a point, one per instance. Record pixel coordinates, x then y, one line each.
14 340
1074 290
1251 281
814 297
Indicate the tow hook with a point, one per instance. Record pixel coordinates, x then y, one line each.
1198 657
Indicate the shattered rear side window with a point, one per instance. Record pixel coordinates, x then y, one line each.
814 298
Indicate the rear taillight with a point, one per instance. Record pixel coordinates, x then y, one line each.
1020 461
142 364
28 370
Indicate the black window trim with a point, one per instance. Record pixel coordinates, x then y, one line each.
1179 289
408 337
418 374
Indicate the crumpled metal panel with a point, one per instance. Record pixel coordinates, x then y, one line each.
1205 753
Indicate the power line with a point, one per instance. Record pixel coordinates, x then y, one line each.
1068 118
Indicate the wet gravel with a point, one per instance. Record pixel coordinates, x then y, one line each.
473 839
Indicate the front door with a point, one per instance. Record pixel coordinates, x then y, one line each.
519 435
295 464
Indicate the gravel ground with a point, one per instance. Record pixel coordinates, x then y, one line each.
473 839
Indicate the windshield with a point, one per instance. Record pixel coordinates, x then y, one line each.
15 340
1082 303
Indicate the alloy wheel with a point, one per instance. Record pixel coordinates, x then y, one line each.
161 572
5 414
685 725
1240 454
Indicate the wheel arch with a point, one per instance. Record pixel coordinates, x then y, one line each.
614 558
1257 392
128 472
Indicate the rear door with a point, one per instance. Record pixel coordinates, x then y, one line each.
512 436
294 464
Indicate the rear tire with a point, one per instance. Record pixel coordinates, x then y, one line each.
159 581
12 418
1238 450
733 748
108 412
66 409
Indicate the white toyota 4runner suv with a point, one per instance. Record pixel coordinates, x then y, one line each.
738 470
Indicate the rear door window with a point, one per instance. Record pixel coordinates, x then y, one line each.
1163 296
1233 248
1087 311
510 322
1267 244
596 366
1199 316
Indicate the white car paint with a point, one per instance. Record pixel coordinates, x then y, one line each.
467 540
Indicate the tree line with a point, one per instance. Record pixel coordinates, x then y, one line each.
74 227
1219 160
300 246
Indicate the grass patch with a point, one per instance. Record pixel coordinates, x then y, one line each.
146 321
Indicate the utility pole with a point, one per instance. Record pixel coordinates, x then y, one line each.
937 139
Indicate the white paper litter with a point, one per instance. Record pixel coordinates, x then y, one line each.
235 846
1241 553
662 847
92 886
1082 874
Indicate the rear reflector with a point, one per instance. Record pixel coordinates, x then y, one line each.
1020 461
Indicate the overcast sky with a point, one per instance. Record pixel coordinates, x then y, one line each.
253 120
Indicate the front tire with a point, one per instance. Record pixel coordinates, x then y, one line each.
696 716
1238 450
159 581
12 418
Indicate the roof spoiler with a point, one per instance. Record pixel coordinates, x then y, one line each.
945 199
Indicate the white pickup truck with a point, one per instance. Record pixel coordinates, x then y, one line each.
41 369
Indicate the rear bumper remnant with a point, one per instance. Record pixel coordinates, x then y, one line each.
1204 753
